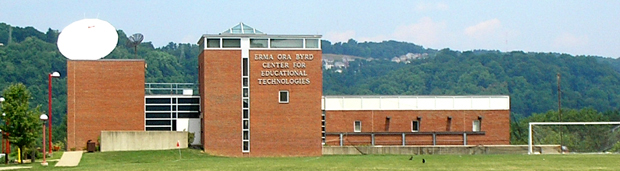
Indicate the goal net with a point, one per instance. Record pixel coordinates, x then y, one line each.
573 137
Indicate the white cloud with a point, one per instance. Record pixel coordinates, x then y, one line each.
339 36
439 6
484 29
567 40
425 32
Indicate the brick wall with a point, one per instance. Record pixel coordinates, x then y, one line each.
220 84
103 95
292 129
495 124
289 129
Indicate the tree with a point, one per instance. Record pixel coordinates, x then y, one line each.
21 123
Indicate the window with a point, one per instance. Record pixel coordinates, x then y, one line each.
213 43
476 126
415 126
246 124
245 67
312 43
258 43
231 43
245 82
246 114
357 127
246 103
287 43
246 135
283 96
246 146
245 92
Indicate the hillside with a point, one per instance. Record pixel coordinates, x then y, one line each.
27 55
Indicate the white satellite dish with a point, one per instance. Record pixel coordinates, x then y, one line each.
87 39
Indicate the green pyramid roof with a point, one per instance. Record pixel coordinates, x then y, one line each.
242 29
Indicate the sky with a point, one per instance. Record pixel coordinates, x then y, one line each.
564 26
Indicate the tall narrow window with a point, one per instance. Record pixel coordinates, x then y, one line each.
246 92
283 96
357 127
246 146
245 67
476 126
415 126
246 103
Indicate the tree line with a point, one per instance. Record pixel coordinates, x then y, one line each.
28 55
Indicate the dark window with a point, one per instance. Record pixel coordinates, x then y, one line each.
189 101
158 115
174 125
245 67
189 108
158 122
189 115
158 128
157 108
158 101
246 124
246 135
415 126
245 82
246 103
246 146
283 96
246 92
246 114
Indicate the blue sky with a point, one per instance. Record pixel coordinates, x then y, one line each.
573 27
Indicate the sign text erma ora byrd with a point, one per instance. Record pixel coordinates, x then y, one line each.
283 69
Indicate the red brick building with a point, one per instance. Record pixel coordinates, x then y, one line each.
94 90
261 94
416 120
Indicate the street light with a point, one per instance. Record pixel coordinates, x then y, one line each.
43 118
6 144
50 76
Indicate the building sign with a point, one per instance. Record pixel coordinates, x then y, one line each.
283 69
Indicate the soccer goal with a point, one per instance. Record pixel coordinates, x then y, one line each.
581 137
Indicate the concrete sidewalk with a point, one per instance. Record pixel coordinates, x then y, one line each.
15 167
70 159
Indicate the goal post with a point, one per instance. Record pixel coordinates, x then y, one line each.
530 151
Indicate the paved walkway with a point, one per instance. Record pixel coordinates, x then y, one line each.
15 167
70 159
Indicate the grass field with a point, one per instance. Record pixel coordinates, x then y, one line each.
195 160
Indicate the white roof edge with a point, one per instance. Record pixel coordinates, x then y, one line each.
426 102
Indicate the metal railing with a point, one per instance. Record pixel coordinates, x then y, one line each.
342 136
170 88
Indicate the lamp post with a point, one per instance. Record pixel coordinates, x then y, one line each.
43 118
6 146
50 76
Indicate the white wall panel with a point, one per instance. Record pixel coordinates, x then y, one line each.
389 103
416 103
462 103
372 103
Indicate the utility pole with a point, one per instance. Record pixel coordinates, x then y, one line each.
560 113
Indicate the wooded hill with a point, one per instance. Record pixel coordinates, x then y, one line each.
28 55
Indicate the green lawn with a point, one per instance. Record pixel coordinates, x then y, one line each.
195 160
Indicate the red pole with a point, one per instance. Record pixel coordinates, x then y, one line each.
50 112
44 162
